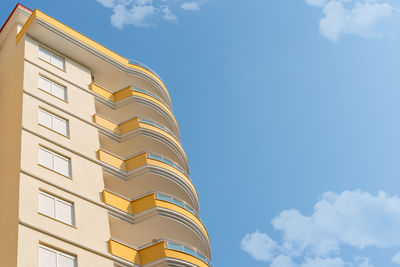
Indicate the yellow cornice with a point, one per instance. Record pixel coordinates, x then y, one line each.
82 38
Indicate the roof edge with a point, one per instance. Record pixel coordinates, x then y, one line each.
12 13
125 62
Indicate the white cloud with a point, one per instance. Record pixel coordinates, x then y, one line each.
107 3
363 262
352 218
316 2
143 2
259 245
282 261
144 13
365 18
190 6
168 15
327 262
396 258
137 15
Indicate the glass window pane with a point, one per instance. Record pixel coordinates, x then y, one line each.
46 158
190 251
177 202
169 162
152 156
201 257
146 121
174 246
165 198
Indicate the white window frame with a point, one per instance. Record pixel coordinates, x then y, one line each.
55 199
52 55
19 27
53 117
55 154
58 253
52 84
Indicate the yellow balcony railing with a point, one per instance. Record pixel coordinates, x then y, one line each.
157 251
131 91
153 200
141 160
137 123
128 92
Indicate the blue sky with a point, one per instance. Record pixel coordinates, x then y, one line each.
289 113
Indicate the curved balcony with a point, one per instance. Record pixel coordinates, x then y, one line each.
149 180
124 102
167 216
162 251
145 162
70 42
140 134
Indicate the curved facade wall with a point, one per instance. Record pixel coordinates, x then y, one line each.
99 176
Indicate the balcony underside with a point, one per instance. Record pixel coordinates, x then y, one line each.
135 136
154 224
140 108
149 181
142 142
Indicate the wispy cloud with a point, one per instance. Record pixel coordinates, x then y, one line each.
259 245
145 13
138 15
190 6
365 18
396 258
356 219
168 15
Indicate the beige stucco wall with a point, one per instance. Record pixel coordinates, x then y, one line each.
84 186
11 71
86 175
91 221
29 241
79 102
83 137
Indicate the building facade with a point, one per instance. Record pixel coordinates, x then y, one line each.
93 170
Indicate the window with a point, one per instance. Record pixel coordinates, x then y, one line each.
52 88
53 122
56 208
19 28
51 58
54 162
49 257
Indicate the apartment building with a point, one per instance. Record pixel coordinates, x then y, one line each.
93 170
